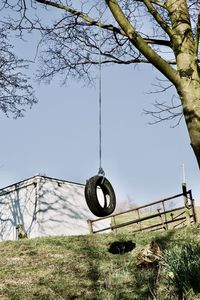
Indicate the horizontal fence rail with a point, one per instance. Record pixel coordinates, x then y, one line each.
163 219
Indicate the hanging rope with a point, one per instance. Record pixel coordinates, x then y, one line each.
101 171
100 181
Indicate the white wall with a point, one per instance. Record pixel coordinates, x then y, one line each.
45 206
17 207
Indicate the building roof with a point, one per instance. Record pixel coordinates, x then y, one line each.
31 180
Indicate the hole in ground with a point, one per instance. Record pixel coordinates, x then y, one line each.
118 247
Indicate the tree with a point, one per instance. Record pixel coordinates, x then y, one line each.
168 39
15 92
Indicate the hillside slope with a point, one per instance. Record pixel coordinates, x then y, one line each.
81 267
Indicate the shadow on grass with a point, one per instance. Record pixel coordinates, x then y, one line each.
164 241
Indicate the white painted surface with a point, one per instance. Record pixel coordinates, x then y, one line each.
45 207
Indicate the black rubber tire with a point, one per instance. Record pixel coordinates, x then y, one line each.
92 199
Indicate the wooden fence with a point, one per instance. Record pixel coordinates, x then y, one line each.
154 216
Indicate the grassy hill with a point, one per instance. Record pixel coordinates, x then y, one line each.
81 267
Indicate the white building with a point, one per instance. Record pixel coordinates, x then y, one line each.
44 206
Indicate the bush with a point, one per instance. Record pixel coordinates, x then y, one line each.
183 267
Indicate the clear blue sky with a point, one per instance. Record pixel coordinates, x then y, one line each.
59 138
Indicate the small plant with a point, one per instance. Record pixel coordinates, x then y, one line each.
21 232
183 267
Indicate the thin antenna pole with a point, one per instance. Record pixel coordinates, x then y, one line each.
183 172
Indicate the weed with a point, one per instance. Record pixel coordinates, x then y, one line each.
183 267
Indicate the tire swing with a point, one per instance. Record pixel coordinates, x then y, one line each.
99 183
91 195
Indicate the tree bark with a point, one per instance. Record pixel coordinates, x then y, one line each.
190 97
188 87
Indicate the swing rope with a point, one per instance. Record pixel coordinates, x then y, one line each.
100 181
101 171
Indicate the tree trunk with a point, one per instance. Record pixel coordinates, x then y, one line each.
189 93
188 86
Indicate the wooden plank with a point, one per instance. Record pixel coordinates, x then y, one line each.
140 207
139 220
143 219
160 224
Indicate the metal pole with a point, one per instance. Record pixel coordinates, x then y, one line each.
186 204
183 170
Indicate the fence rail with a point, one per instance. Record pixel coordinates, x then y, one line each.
163 219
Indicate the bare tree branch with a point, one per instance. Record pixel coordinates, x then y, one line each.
165 112
161 4
15 92
157 17
133 31
92 22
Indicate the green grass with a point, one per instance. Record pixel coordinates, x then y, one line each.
82 268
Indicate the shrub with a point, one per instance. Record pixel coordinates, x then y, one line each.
183 267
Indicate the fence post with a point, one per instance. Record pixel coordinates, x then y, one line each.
161 218
113 221
89 222
186 204
166 225
193 207
139 220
